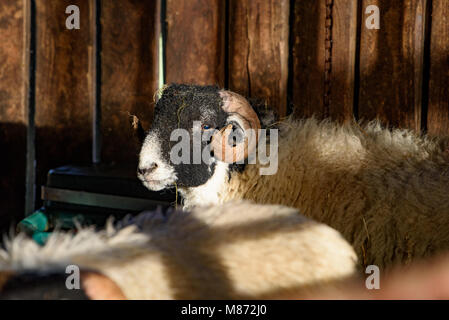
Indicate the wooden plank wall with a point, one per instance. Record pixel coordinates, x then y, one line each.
258 50
195 51
13 115
343 59
438 108
257 44
397 74
308 57
391 64
63 87
129 64
271 49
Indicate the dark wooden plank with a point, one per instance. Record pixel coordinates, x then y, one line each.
438 108
63 86
258 50
308 58
13 76
129 73
391 63
344 37
195 48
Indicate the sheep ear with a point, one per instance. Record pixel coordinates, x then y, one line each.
241 113
138 129
100 287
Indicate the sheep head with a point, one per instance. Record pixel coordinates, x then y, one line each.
225 121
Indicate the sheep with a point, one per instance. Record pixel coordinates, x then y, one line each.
211 252
386 191
423 280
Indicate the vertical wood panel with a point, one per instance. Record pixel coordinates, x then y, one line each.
195 41
438 108
129 73
308 58
13 76
391 63
344 36
258 50
63 86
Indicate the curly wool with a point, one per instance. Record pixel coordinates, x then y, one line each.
386 191
237 250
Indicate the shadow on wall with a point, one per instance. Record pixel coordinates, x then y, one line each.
71 145
12 174
55 146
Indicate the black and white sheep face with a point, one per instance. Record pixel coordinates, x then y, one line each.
180 107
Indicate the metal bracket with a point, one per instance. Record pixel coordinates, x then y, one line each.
98 199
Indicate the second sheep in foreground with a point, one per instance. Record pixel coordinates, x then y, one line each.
209 253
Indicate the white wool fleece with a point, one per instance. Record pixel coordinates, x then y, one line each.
236 250
386 191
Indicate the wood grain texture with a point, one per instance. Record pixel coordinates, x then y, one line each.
258 50
344 36
195 48
12 73
63 86
308 58
129 74
391 64
13 79
438 107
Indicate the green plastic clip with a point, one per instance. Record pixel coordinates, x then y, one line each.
36 222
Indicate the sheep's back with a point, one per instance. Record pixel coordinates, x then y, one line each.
386 191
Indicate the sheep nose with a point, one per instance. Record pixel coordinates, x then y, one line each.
146 170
